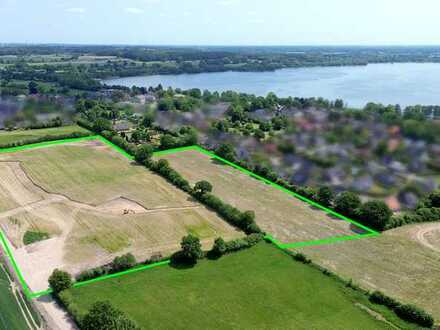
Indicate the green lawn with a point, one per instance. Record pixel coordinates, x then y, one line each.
18 135
10 315
258 288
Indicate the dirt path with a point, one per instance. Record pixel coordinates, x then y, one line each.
103 209
56 317
421 233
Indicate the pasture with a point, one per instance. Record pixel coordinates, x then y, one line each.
286 218
258 288
93 204
404 263
11 317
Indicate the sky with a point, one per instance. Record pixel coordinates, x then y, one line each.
221 22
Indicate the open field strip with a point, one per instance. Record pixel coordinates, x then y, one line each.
290 221
398 262
258 288
19 135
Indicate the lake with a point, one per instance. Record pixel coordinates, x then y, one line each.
402 83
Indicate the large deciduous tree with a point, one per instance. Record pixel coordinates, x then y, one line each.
103 316
60 281
375 214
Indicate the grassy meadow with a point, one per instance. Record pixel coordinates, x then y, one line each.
258 288
10 314
19 135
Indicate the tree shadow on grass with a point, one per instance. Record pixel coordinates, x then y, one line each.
216 161
357 230
177 261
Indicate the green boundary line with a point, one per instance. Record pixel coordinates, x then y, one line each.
30 294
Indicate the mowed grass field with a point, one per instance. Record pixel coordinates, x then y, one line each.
404 263
19 135
258 288
10 314
283 216
93 173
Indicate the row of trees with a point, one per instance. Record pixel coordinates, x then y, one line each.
191 248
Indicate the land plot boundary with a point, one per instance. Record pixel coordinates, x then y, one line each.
27 291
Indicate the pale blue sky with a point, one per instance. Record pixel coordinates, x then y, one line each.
221 22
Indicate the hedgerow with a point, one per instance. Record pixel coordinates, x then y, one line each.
45 138
406 312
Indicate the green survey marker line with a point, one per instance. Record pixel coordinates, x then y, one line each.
105 277
133 270
114 146
8 252
331 240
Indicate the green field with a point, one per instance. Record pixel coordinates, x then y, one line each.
19 135
258 288
10 314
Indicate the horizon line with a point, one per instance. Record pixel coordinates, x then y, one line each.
212 45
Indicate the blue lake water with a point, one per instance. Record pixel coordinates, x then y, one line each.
402 83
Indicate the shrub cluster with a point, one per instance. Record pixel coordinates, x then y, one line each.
302 258
102 315
44 138
118 264
243 220
221 247
163 168
420 215
427 210
55 122
408 313
122 143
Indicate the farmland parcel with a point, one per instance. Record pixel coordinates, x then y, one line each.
93 204
259 288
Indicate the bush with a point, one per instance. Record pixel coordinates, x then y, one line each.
302 258
92 273
59 281
143 153
414 314
378 297
242 220
324 196
163 168
123 262
202 187
347 203
219 248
